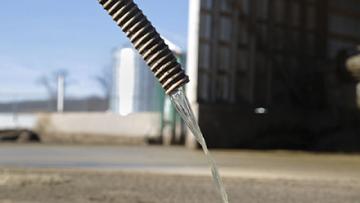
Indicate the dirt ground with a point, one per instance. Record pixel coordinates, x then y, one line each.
55 186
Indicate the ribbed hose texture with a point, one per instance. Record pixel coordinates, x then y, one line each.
148 42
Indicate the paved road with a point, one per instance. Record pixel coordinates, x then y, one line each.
176 160
110 174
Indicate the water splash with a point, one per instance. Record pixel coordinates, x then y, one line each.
182 105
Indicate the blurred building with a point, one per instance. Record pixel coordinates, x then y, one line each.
135 90
271 73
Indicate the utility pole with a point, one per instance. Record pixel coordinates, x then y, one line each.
60 93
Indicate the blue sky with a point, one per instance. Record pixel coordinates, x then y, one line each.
41 36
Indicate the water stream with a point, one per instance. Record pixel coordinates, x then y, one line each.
182 105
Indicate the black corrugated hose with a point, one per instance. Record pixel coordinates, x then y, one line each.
148 42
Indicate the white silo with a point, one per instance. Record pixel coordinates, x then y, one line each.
134 84
135 88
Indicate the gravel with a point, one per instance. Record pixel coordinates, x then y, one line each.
76 186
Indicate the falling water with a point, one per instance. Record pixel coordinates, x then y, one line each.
182 105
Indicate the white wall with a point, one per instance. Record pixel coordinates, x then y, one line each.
102 124
16 121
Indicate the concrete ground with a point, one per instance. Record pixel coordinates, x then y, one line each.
38 173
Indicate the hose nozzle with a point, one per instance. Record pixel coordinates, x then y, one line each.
148 42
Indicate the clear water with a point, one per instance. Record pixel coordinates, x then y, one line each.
182 105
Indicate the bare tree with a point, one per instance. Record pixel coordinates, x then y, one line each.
49 82
104 79
49 85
